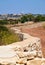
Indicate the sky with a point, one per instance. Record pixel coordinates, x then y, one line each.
22 6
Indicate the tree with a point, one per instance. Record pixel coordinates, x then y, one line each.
38 18
24 19
30 17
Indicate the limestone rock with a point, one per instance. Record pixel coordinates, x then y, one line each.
36 62
22 52
17 48
40 55
19 64
22 61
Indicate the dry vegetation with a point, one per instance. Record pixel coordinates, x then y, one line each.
43 25
7 36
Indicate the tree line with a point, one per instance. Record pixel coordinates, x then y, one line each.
24 18
31 17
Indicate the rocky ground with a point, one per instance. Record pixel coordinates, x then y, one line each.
36 30
28 51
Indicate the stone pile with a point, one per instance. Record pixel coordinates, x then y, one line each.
26 52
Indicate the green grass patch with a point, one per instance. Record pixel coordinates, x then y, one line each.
7 37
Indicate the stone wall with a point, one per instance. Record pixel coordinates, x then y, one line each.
24 52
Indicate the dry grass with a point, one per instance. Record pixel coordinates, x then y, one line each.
43 25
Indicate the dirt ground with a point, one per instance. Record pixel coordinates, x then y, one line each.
37 32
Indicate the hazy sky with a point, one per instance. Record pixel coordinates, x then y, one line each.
22 6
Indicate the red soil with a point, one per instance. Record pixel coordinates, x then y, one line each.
37 32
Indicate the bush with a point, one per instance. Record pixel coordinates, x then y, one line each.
24 19
39 18
7 37
2 22
28 17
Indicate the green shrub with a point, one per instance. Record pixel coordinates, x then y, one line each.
7 37
39 18
3 22
24 19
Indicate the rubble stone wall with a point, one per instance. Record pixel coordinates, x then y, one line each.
24 52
